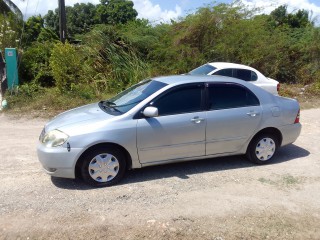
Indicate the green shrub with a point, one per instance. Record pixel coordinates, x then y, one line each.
66 65
84 91
34 65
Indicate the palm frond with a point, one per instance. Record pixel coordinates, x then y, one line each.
7 6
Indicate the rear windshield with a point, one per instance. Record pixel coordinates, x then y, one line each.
202 70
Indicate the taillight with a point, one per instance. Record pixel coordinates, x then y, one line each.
297 117
278 87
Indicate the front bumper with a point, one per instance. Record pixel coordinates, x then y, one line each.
58 161
290 133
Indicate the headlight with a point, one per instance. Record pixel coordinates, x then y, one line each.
54 138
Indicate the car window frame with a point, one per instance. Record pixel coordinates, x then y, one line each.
211 84
139 114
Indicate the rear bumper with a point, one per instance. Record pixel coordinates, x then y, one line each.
57 161
290 133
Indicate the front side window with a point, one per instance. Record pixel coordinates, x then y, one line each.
224 72
202 70
182 100
224 96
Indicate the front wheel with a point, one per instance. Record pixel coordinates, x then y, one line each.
103 166
262 148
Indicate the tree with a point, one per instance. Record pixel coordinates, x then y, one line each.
116 11
47 34
33 27
299 20
81 18
51 20
281 17
10 30
10 24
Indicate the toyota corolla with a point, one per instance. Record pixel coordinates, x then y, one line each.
165 120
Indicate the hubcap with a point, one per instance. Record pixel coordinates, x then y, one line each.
103 167
265 149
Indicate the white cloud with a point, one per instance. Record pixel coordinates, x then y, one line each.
35 7
145 8
293 5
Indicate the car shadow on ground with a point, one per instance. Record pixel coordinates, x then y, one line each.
184 169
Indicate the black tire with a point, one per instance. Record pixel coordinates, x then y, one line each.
105 160
265 156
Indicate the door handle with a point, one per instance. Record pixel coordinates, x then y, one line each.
253 114
197 120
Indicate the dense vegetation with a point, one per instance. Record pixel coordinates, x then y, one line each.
109 48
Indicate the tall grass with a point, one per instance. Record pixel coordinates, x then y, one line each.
109 62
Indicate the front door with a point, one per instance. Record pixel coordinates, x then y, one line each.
178 131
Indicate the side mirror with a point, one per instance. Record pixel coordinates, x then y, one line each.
150 112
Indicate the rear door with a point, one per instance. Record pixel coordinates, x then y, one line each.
233 116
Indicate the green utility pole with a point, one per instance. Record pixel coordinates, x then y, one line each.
62 21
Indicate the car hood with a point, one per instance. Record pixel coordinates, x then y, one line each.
80 116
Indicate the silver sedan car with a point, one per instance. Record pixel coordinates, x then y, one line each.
165 120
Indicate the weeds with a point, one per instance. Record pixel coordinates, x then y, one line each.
282 181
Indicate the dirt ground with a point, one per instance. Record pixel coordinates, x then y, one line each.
222 198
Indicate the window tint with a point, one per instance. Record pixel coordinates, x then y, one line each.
202 70
224 72
243 74
182 100
254 76
223 96
246 75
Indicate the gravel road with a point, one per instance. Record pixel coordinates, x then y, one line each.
222 198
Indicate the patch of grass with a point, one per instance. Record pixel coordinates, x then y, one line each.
268 181
281 181
47 102
290 180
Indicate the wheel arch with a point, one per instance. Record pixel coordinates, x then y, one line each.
105 144
270 130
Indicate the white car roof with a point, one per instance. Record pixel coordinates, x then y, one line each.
221 65
180 79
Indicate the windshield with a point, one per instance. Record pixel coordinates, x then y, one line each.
202 70
129 98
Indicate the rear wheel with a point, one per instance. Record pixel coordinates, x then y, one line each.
262 148
103 166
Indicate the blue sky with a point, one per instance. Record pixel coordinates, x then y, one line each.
164 10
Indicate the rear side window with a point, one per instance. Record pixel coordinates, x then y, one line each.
225 96
254 76
245 74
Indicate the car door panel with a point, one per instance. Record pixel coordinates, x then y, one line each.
171 137
229 129
233 117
